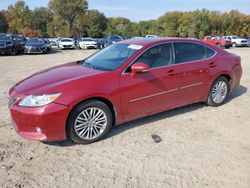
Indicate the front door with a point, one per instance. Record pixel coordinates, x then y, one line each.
152 91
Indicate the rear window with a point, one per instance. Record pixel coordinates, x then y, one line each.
187 51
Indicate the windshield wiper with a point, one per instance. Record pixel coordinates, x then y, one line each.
88 64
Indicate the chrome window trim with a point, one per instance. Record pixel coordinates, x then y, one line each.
174 57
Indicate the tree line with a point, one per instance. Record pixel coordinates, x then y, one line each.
74 19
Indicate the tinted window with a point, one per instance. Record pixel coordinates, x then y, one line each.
185 52
210 52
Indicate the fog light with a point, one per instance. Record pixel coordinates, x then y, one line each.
38 129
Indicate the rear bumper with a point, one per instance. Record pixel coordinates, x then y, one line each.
47 123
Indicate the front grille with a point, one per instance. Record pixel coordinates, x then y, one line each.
2 45
35 49
67 46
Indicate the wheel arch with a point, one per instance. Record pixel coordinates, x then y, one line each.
102 99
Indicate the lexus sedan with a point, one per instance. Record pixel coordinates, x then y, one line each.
35 46
127 80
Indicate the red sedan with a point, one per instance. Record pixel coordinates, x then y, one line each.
127 80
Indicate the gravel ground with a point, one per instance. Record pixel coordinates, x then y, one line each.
200 146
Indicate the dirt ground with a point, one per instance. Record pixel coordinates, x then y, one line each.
201 146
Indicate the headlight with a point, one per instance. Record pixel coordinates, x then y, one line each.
39 100
8 44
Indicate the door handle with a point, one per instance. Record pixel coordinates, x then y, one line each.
212 64
171 72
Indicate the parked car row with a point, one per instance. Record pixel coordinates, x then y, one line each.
13 44
86 43
228 41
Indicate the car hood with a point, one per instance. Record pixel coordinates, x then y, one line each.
49 79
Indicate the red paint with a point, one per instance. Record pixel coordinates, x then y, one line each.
132 96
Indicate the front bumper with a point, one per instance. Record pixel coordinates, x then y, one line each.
67 47
5 50
89 46
47 123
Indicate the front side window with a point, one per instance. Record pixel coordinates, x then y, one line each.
158 56
186 52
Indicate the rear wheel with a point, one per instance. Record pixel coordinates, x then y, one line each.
218 92
89 122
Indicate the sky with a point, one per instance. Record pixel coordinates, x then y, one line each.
137 10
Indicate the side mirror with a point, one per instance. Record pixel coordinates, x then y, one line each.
139 68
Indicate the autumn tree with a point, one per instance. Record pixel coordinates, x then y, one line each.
18 16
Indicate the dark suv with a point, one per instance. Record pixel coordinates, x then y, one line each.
9 44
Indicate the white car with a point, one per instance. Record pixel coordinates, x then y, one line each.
236 41
151 36
86 43
66 43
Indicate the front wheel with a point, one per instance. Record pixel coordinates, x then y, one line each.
89 122
218 92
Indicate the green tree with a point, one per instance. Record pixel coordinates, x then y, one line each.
41 17
65 15
3 23
97 23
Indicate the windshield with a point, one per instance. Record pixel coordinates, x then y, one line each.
235 37
66 40
87 39
115 37
111 57
35 42
5 37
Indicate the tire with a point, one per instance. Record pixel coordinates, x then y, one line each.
13 51
82 129
222 92
219 45
234 45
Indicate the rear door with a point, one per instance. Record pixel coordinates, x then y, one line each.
195 62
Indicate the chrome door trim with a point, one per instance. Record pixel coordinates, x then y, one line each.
154 95
191 85
164 92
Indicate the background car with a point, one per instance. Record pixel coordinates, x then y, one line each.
101 43
128 80
48 44
236 41
151 36
87 43
9 44
111 39
35 46
218 41
66 43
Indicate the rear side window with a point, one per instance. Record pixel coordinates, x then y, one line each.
210 52
186 52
